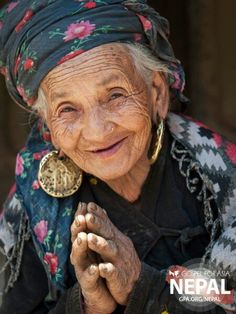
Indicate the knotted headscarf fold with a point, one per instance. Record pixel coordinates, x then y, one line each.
36 36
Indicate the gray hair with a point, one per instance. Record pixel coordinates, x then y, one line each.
144 61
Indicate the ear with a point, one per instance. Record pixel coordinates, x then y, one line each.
159 96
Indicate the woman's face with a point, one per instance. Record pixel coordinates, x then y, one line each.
99 111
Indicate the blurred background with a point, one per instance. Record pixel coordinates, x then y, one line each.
203 37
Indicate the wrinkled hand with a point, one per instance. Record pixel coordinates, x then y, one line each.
121 265
97 298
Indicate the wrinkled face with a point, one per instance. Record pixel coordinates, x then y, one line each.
99 111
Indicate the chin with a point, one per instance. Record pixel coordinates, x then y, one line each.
112 172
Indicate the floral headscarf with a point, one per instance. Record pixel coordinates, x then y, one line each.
36 36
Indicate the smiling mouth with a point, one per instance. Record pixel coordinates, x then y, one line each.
110 150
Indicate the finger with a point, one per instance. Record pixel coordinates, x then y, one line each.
94 208
95 292
79 253
106 248
81 209
113 278
78 225
115 281
89 279
100 226
108 271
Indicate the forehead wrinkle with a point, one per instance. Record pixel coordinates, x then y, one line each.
91 62
116 77
90 67
100 64
72 71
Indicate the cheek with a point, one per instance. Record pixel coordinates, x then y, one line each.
65 133
135 116
142 133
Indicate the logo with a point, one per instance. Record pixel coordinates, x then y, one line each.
199 288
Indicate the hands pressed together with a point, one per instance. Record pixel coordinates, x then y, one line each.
105 260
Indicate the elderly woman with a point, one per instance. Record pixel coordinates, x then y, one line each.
111 190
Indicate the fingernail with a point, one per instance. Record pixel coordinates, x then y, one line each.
94 239
92 270
77 221
83 206
93 206
79 240
79 206
92 219
105 269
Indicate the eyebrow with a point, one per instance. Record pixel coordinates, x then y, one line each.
109 79
59 95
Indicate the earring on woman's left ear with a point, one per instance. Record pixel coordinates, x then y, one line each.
58 175
158 143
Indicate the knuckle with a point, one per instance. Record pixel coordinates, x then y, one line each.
112 233
113 247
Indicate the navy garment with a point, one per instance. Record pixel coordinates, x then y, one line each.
166 225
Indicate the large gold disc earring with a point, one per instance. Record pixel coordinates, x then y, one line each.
158 144
59 176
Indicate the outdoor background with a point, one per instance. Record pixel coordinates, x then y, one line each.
203 36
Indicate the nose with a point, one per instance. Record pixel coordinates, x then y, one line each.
97 126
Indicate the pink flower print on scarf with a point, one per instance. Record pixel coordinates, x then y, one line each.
12 6
41 230
79 30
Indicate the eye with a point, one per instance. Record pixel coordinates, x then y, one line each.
116 95
67 109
